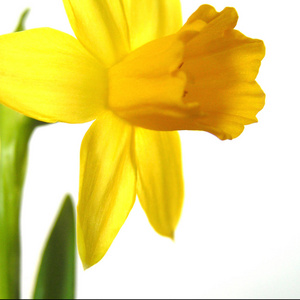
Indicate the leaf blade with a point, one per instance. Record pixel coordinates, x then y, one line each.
56 277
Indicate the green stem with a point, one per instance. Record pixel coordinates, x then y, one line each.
15 131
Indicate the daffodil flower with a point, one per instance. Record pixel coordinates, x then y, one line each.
141 76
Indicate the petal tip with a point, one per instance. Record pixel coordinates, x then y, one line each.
90 261
85 266
169 234
172 236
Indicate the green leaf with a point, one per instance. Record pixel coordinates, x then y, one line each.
15 132
20 26
56 277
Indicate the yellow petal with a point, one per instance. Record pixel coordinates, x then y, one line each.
217 22
47 75
100 26
205 12
221 72
151 19
147 83
201 78
107 185
160 180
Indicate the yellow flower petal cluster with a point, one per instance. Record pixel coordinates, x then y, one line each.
141 76
200 78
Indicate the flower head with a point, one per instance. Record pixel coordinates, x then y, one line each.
200 78
141 77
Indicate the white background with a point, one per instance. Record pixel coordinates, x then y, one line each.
239 235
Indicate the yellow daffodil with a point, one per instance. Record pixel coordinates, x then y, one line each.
141 76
